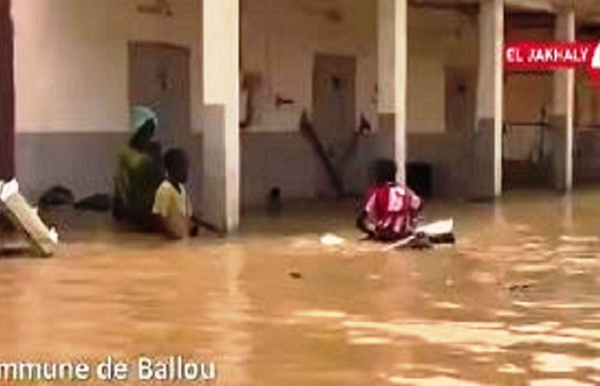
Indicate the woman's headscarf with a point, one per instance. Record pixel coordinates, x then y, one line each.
139 174
140 115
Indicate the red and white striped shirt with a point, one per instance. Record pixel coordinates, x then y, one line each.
392 209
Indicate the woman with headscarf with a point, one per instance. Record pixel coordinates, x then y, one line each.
139 172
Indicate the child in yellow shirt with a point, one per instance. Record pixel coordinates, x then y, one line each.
171 203
172 206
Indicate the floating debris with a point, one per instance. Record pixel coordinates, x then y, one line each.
519 286
332 240
579 239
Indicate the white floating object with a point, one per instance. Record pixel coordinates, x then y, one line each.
26 218
579 239
437 228
332 240
8 189
53 235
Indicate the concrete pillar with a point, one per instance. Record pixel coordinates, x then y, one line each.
563 109
221 137
7 93
487 140
392 78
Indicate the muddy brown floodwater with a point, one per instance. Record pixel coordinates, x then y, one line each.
515 302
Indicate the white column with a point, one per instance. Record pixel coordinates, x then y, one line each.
221 149
487 143
392 77
563 109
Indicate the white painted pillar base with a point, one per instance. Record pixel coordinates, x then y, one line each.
486 181
561 120
392 78
221 148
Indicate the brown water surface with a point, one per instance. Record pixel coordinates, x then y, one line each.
515 302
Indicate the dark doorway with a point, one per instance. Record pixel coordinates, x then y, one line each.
7 93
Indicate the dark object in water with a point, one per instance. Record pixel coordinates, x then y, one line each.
420 241
96 203
515 287
420 244
295 275
14 249
274 204
447 238
56 196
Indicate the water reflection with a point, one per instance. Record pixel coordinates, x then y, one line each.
567 205
230 314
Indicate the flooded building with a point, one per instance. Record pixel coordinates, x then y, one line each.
421 81
293 99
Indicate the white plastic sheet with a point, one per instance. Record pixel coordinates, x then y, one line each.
26 218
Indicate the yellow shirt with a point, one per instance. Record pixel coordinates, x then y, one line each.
169 201
175 207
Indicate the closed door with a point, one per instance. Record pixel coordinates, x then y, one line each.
159 77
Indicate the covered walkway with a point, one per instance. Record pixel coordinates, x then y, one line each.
420 81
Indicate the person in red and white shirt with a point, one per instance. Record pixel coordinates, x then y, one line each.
390 210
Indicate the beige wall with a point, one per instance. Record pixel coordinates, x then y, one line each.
83 47
281 50
72 74
437 39
71 60
72 78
